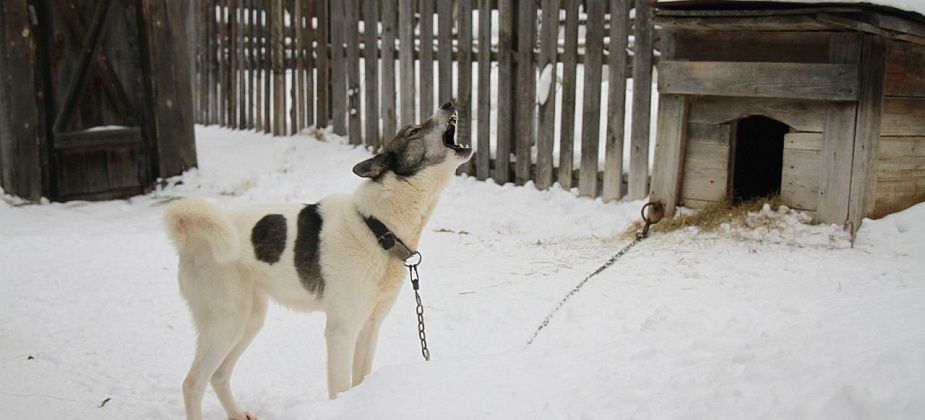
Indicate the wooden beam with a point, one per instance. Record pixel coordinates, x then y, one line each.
338 90
21 136
838 143
525 90
591 98
406 60
616 101
483 155
669 151
801 115
505 83
444 51
638 187
819 81
464 88
546 135
867 131
569 82
426 62
372 138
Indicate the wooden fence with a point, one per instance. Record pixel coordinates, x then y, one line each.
282 65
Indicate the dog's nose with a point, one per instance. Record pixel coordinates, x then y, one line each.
449 106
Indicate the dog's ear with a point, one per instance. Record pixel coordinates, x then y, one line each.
372 167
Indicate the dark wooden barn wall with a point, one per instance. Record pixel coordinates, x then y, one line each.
21 133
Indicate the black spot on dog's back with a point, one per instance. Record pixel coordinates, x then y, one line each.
269 238
307 249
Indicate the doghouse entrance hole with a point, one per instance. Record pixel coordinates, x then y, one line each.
759 157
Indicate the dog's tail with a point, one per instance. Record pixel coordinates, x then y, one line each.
197 227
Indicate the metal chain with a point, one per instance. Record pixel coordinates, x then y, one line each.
415 284
644 233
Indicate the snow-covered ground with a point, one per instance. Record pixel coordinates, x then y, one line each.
783 320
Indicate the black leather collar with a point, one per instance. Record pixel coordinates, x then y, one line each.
387 240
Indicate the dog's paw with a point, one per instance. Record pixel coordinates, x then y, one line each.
244 415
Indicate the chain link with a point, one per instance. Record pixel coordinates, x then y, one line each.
415 284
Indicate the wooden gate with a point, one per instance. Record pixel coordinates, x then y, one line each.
110 97
96 106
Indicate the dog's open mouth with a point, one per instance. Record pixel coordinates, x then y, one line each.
449 137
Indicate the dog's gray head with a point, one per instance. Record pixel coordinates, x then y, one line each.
417 147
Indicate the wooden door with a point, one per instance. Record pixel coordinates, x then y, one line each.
99 147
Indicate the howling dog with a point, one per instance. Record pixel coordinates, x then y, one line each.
316 257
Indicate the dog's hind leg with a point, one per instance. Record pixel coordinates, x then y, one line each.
221 305
221 379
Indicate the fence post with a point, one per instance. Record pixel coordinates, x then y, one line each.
426 76
406 60
371 44
616 101
354 109
323 64
569 82
525 90
505 80
339 69
642 98
464 89
549 40
591 98
444 51
483 154
389 25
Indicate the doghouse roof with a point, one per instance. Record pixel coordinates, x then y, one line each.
897 19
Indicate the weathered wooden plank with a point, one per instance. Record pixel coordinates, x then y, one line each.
372 138
259 66
546 135
389 28
867 131
706 172
299 51
638 187
709 135
464 88
308 46
591 98
252 83
426 62
338 90
167 65
900 167
904 75
903 117
799 185
803 141
505 103
268 54
444 51
21 137
323 64
901 146
242 65
525 87
616 101
406 60
279 71
800 115
671 136
747 46
231 83
837 144
820 81
569 82
483 155
351 38
897 194
761 23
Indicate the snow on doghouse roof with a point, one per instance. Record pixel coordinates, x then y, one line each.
915 6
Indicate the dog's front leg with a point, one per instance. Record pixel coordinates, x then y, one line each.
341 340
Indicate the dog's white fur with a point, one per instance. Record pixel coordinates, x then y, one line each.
227 288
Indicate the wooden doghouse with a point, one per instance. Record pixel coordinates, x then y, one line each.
95 97
824 105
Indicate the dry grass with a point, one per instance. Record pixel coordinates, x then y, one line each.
710 218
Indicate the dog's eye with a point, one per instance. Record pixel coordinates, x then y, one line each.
414 130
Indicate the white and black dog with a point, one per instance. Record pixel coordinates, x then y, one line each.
317 257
